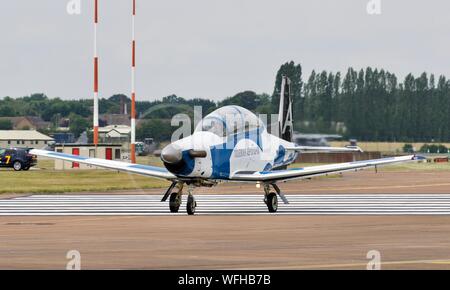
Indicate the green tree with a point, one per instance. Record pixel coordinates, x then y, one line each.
6 125
158 129
294 73
408 148
78 125
248 99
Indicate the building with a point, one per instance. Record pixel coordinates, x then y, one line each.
23 139
63 138
115 119
28 123
104 151
115 134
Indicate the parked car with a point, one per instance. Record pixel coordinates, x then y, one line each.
17 158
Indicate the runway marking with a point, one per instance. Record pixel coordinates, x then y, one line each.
150 205
354 265
441 262
382 187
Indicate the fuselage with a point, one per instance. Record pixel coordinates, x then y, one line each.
227 141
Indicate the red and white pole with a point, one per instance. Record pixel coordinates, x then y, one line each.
95 74
133 92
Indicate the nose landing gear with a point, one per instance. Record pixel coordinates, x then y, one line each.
175 201
175 193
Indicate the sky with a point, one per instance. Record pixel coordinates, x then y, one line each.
212 48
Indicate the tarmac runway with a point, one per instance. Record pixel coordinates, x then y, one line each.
331 223
150 205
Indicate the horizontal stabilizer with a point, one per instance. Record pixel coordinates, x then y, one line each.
314 149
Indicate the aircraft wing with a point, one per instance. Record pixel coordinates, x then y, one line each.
307 172
146 170
314 149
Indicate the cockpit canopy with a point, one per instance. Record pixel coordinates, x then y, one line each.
230 120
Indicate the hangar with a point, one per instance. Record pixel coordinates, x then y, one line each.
116 134
23 139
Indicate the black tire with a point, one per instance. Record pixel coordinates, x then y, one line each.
175 202
26 168
17 166
191 205
272 202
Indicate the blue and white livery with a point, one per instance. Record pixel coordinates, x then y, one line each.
233 145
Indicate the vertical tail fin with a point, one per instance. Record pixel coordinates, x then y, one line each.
285 122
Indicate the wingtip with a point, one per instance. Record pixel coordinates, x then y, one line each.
419 158
355 149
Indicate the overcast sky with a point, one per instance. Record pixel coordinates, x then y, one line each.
212 48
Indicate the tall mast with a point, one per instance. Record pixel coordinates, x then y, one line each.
133 91
95 74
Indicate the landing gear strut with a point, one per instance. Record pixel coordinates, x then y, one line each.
174 193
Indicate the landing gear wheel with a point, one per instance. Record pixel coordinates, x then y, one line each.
175 202
17 165
272 202
191 205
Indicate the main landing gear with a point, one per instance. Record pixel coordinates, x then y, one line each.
175 194
271 198
191 204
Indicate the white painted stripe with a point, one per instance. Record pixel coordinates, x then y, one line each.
240 195
96 123
250 197
150 205
133 131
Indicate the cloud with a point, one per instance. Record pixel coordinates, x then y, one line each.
212 48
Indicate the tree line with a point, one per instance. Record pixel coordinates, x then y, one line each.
371 104
368 104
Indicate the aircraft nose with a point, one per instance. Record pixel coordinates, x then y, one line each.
171 154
